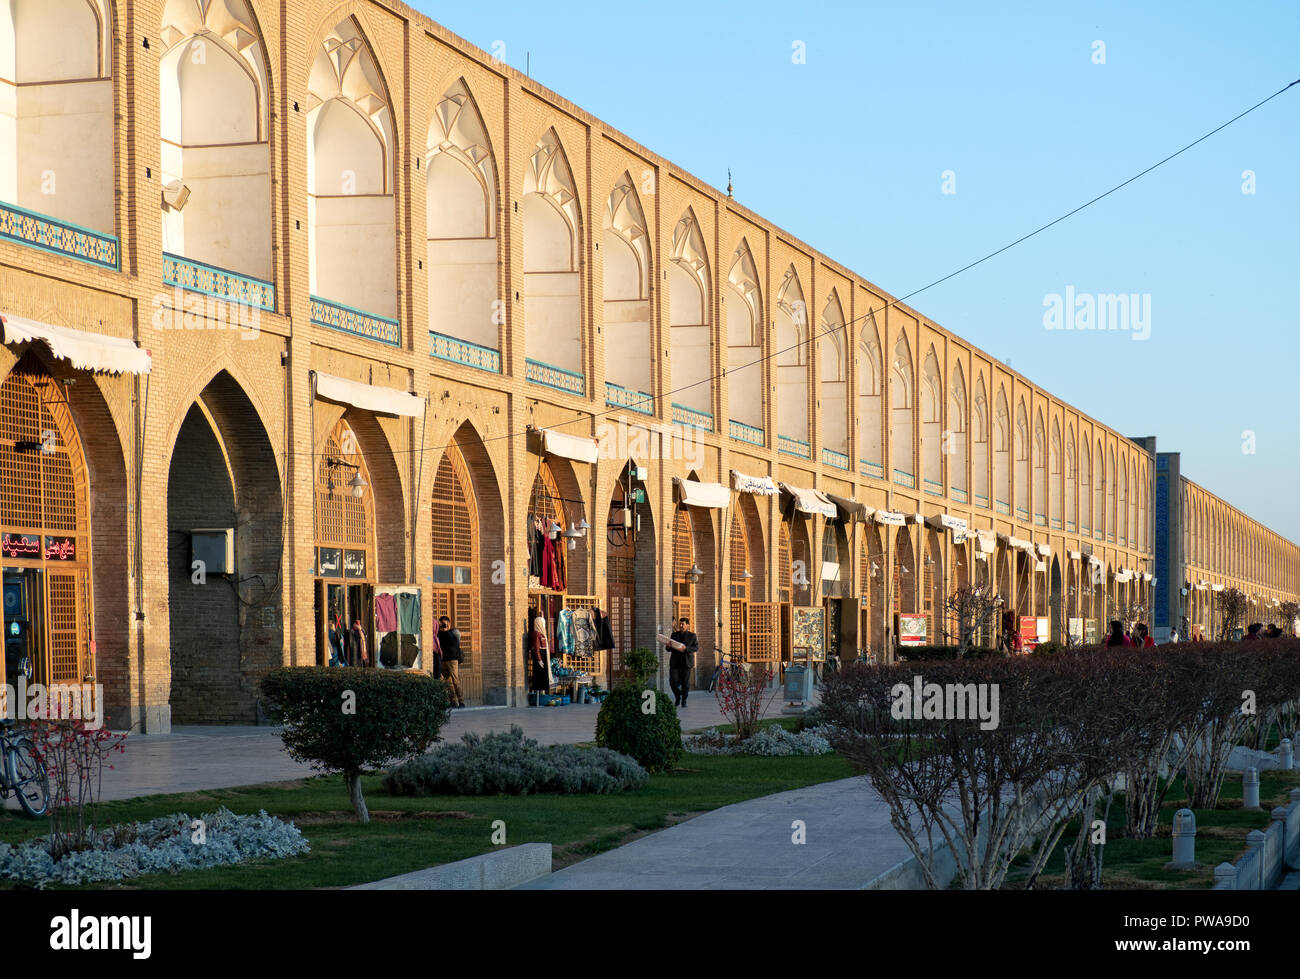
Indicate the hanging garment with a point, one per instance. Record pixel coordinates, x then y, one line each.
604 632
385 613
388 650
337 654
584 634
564 632
408 613
357 642
539 659
549 574
535 538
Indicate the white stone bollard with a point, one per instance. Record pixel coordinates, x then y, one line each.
1255 844
1285 755
1184 839
1250 789
1226 873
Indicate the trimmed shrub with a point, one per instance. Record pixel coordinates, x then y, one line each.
653 737
342 719
773 741
908 654
507 763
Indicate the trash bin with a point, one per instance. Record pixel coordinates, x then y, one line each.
798 683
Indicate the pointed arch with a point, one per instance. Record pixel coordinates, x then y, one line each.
1121 513
791 355
1020 478
351 148
931 392
690 315
1085 488
1039 490
1099 492
834 389
902 405
957 435
629 355
871 415
1110 496
58 120
745 328
1002 453
1054 490
461 192
981 424
552 232
1071 480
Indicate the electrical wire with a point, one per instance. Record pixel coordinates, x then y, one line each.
650 399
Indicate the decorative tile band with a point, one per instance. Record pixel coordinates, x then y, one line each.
1072 528
793 447
61 237
1056 523
683 415
904 479
746 433
638 401
872 469
982 500
933 488
960 495
840 460
559 378
212 281
1022 513
1004 507
339 317
464 352
1040 520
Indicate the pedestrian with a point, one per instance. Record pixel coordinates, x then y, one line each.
1117 637
1147 641
436 650
449 643
1173 635
681 658
1252 631
357 645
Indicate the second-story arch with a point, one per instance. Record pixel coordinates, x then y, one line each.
902 408
461 229
871 411
690 316
626 250
834 384
216 149
745 345
552 229
791 355
1002 454
955 438
351 211
931 393
981 422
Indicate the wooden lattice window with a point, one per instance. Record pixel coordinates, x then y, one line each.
784 585
344 520
544 501
763 632
455 550
738 547
595 662
832 588
683 561
43 487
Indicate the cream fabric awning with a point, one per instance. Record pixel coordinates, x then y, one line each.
758 485
986 541
1015 543
1075 555
714 496
943 521
85 351
890 518
573 447
811 501
371 397
1044 550
850 509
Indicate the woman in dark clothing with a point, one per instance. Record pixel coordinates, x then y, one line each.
1117 637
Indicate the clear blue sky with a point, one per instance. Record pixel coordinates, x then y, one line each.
846 152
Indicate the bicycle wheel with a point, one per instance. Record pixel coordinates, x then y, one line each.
28 779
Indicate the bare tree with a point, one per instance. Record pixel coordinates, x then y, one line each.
972 608
1287 612
1232 604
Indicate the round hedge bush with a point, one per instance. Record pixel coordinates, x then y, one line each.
652 737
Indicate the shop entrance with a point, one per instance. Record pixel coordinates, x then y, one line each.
338 606
44 532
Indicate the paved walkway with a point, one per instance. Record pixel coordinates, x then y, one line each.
220 756
849 843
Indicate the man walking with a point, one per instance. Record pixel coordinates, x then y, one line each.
681 659
449 643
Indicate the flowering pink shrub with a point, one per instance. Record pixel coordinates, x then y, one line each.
74 756
740 697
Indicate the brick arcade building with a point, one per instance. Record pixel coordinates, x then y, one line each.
324 297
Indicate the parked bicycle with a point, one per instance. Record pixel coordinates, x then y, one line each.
734 668
22 773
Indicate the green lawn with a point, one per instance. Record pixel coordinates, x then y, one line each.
408 834
1140 864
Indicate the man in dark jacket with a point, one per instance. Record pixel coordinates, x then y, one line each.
449 643
681 660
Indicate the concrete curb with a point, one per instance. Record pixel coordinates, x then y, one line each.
495 871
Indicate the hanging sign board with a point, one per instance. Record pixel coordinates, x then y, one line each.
60 548
329 562
354 564
911 630
20 546
1028 632
1076 630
